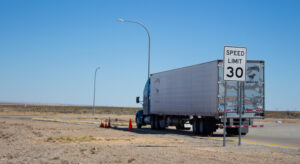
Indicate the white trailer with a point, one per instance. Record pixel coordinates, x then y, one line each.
195 95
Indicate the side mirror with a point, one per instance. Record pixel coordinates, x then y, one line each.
137 100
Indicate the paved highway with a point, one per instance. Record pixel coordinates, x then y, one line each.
273 134
276 133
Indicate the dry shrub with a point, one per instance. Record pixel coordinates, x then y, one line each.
70 139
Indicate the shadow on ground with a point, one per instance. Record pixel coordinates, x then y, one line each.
162 132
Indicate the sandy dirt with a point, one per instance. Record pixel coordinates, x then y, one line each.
24 140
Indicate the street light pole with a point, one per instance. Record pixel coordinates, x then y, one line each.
136 22
95 90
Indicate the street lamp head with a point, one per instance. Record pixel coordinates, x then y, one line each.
120 20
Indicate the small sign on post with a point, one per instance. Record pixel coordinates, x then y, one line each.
234 63
234 69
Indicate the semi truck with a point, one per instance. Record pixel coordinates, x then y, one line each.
196 95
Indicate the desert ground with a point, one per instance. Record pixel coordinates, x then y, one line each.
77 138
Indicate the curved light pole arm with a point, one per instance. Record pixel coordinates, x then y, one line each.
149 39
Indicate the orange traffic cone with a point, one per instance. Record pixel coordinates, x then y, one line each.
130 125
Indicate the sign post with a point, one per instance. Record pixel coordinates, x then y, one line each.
225 114
240 113
234 69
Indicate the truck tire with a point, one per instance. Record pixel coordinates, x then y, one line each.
156 123
153 122
232 131
209 126
235 131
179 126
162 123
196 126
201 127
138 124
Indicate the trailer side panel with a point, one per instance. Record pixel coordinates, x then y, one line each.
186 91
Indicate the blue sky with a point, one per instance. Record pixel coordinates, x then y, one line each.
49 49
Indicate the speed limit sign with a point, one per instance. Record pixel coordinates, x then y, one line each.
234 63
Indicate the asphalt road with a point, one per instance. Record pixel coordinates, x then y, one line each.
276 133
273 134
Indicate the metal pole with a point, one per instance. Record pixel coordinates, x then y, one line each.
95 90
240 112
149 40
225 114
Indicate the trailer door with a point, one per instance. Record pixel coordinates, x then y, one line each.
250 93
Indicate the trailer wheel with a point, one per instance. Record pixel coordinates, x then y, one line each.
161 123
201 127
232 131
156 123
196 126
179 126
153 122
209 125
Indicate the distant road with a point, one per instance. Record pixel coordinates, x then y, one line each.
27 117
